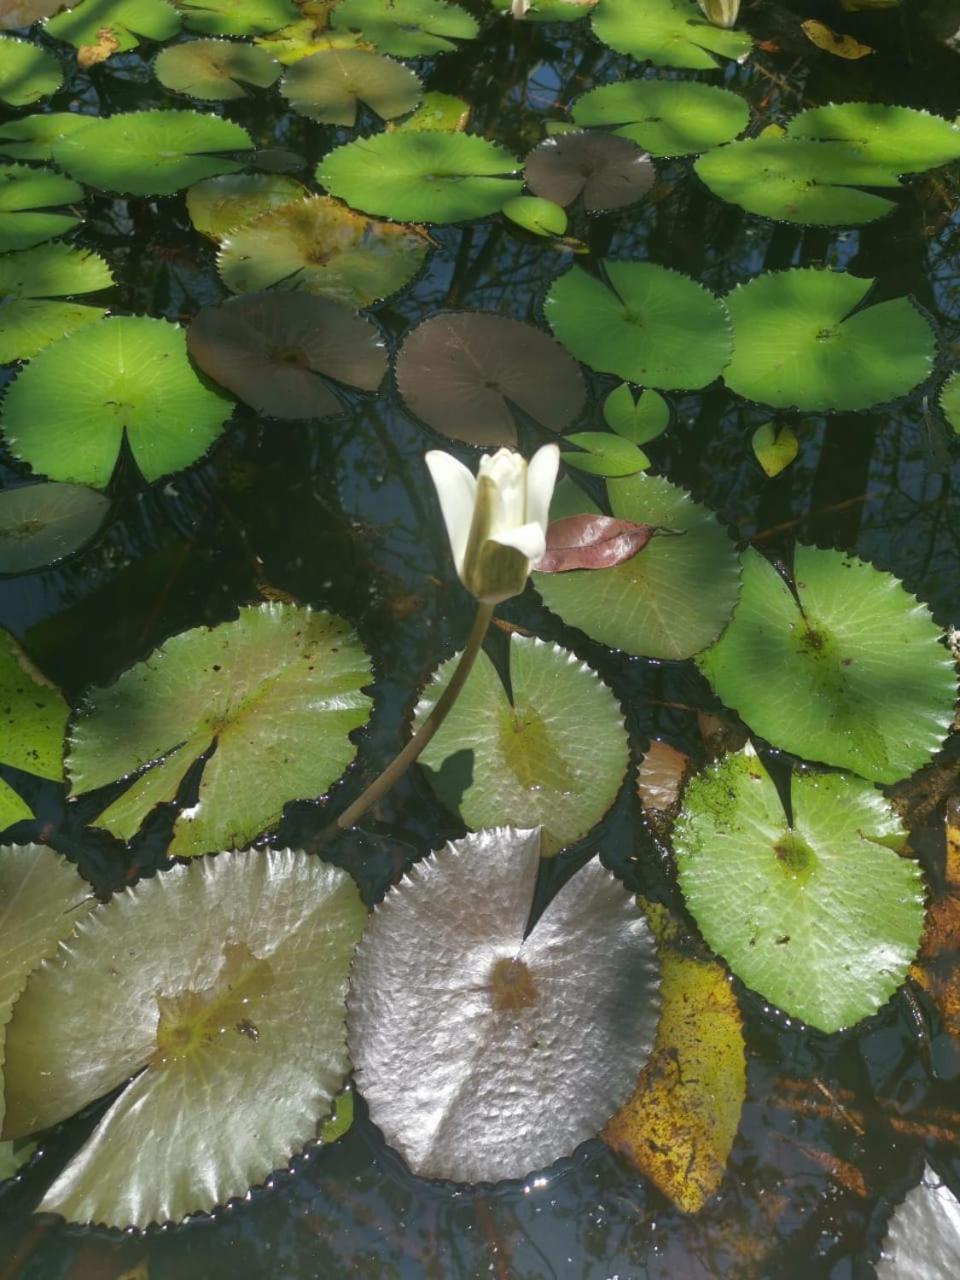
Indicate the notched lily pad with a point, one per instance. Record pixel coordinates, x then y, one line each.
608 172
33 714
328 86
231 1043
665 117
276 692
513 1048
277 351
29 283
407 28
216 70
42 523
34 137
900 138
26 196
426 176
553 755
462 371
127 21
69 409
218 205
848 670
236 17
670 33
820 915
28 72
321 247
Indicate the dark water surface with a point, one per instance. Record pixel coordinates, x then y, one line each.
339 515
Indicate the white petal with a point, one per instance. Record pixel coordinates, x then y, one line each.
456 488
541 478
508 471
529 540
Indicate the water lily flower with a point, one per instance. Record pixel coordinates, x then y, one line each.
497 520
720 13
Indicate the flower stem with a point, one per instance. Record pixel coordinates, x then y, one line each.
402 762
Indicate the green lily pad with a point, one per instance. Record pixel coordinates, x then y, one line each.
232 1043
277 350
640 420
68 410
28 282
818 914
34 137
645 323
513 1046
950 400
427 176
670 33
216 70
151 153
217 205
462 373
320 247
302 37
539 216
25 196
13 808
798 181
41 899
236 17
28 72
42 523
328 86
129 21
33 715
441 111
900 138
672 599
276 692
605 455
407 28
553 757
608 172
665 117
849 671
800 342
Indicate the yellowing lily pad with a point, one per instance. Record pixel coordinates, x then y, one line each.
231 1043
553 755
33 714
276 692
218 205
216 70
328 86
512 1047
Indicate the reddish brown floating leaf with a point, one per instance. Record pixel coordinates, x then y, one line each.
607 170
937 969
592 542
660 777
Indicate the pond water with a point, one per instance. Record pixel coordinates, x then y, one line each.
338 514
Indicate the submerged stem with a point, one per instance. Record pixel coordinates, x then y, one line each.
405 758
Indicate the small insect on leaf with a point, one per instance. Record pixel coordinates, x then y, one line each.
831 41
592 542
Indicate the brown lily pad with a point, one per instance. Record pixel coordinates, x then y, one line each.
607 170
592 542
462 371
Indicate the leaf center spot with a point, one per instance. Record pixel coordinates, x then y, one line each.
290 355
824 335
795 856
511 985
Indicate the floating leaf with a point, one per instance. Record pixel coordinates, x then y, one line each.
820 915
669 602
513 1048
830 41
923 1238
644 323
28 72
33 715
849 671
554 756
320 247
276 351
462 371
276 693
67 412
774 447
28 280
426 176
899 138
24 192
936 968
605 455
660 778
13 808
23 13
236 17
14 1155
640 420
328 86
671 33
129 22
608 172
216 70
800 342
437 111
592 542
542 217
407 28
303 37
34 137
665 117
151 153
232 1042
797 180
218 205
950 401
42 523
679 1125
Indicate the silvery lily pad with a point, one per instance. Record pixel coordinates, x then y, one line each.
607 171
215 70
484 1053
42 523
231 1042
923 1239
